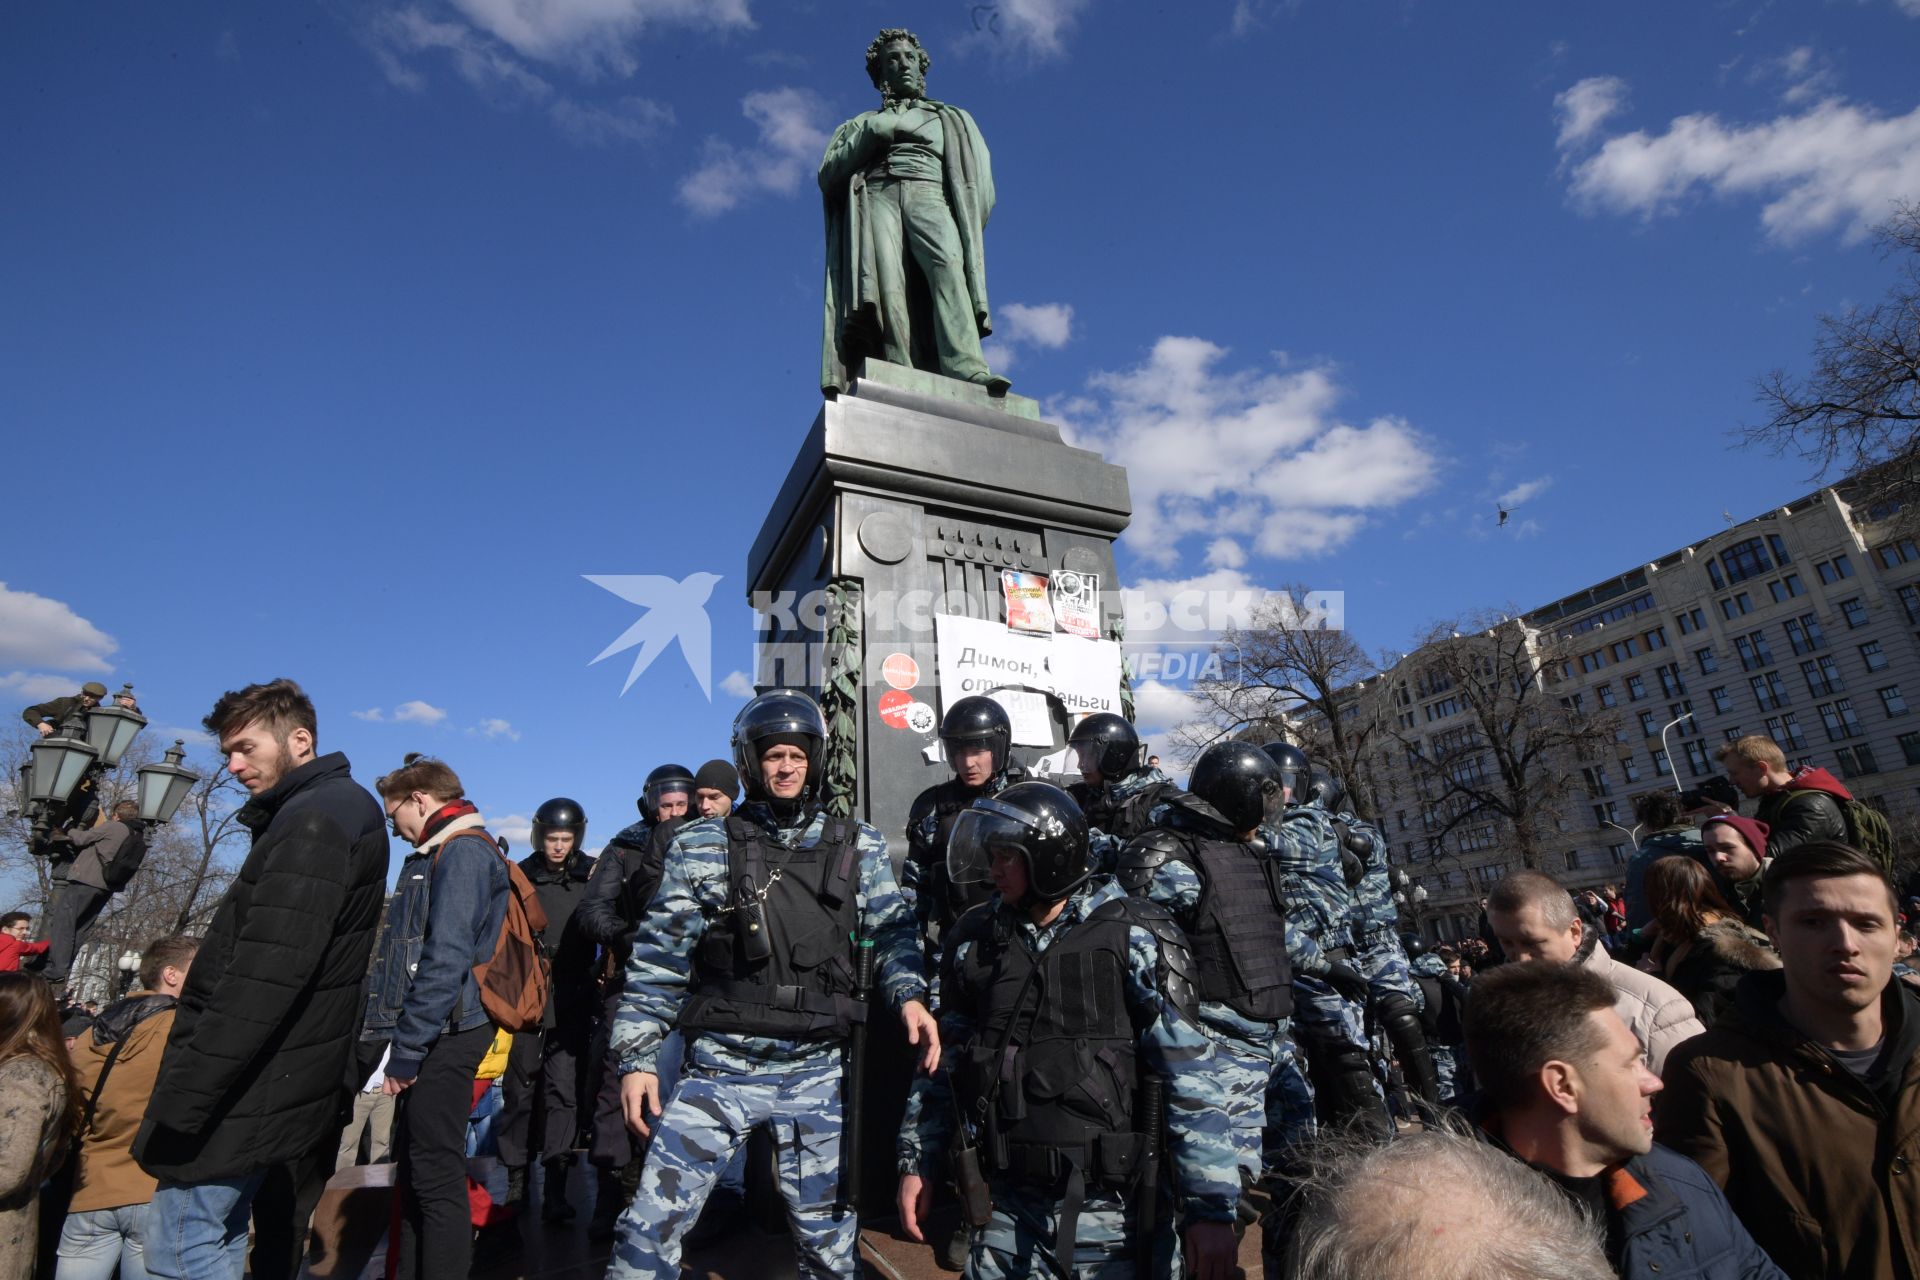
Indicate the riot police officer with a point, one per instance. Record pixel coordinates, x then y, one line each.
1331 1026
751 948
1393 998
1068 1008
624 878
543 1076
977 739
1443 1006
1202 860
1117 792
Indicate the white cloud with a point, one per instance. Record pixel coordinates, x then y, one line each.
1524 491
738 684
418 712
493 727
1834 166
164 734
1161 706
631 119
594 34
1244 453
372 715
1909 7
38 632
793 134
1037 28
1808 74
481 62
516 827
1048 324
1225 553
34 686
1588 105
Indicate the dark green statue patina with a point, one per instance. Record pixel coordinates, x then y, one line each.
908 192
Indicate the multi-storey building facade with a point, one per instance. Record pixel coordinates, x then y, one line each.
1800 624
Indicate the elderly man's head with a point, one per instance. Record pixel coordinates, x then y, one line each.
1437 1205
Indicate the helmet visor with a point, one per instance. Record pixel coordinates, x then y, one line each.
981 833
657 791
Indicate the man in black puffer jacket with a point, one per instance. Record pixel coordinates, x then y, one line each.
258 1063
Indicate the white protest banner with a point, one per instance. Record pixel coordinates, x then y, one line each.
977 656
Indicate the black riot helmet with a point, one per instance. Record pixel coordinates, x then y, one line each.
1294 766
663 782
559 814
1414 945
1115 747
977 719
779 717
1240 782
1035 819
1324 789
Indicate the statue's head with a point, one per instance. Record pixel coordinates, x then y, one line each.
897 64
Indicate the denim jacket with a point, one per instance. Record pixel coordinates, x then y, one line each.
444 918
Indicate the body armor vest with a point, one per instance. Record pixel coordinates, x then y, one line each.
779 960
1127 818
1051 1072
1238 932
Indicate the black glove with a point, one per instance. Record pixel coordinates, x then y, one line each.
1342 977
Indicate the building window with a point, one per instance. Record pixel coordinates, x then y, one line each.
1661 765
1831 571
1785 730
1895 554
1671 684
1804 633
1647 727
1854 612
1910 601
1779 546
1714 576
1890 699
1871 655
1618 852
1636 690
1721 702
1767 691
1697 763
1656 639
1708 663
1745 560
1629 769
1681 714
1910 747
1401 814
1690 621
1573 859
1735 605
1605 694
1591 662
1622 650
1856 760
1838 719
1817 683
1730 733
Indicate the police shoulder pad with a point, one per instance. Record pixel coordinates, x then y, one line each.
1150 849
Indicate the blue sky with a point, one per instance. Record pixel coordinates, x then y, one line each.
341 340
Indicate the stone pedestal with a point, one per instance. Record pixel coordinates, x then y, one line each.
910 494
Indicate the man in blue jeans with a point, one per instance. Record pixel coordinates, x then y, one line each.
445 918
257 1062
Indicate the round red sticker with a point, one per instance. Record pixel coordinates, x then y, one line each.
893 708
900 670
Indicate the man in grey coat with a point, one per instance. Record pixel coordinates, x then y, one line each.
104 859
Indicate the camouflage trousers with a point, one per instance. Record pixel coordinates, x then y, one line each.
1019 1242
697 1134
1447 1072
1246 1076
1384 966
1288 1116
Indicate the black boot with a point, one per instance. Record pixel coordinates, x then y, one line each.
951 1255
517 1186
553 1191
609 1202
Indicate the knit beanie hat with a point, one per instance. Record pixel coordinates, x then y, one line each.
1752 830
718 775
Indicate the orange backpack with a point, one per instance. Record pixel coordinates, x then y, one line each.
517 979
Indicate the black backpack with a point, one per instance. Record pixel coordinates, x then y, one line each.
119 870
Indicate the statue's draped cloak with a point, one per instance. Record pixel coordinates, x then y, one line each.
853 297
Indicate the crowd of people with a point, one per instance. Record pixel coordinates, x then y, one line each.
1140 1018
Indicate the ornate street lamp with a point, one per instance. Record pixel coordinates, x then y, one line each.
112 730
129 965
163 786
59 762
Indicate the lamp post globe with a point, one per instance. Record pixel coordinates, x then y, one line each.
163 786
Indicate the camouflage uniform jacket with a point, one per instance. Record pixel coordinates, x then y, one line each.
693 892
1374 916
1103 847
1307 850
1206 1175
1176 886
